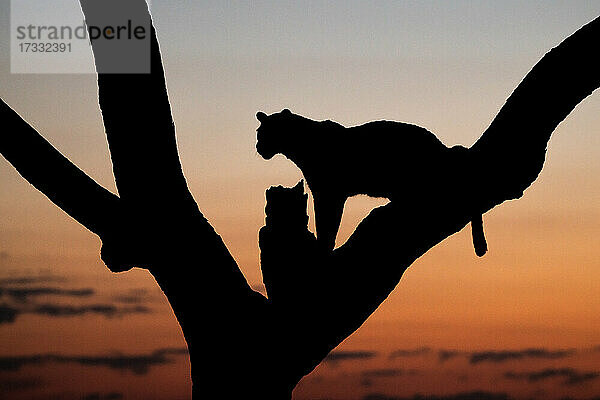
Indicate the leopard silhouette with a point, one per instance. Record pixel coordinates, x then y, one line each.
402 162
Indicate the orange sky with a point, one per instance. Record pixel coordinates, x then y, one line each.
447 68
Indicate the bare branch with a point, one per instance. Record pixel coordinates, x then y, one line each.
512 150
136 111
54 175
320 299
161 227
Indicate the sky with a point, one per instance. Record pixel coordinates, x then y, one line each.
446 66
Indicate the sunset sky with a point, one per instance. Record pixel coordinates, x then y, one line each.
455 323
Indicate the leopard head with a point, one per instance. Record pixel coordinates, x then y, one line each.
276 132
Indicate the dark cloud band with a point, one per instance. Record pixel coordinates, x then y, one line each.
137 364
9 313
570 376
337 356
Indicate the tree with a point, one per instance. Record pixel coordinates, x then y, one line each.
241 343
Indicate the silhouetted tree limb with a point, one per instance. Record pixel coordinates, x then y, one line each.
348 285
54 175
254 347
136 111
511 152
141 136
161 227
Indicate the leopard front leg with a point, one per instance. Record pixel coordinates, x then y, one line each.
328 216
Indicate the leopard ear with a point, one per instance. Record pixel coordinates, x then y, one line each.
261 116
286 111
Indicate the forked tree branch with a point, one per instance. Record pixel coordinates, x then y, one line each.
259 348
338 292
158 207
508 158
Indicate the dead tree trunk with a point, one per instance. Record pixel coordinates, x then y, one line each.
241 343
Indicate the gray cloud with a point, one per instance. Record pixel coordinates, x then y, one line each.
107 310
500 356
371 374
460 396
570 376
20 297
100 396
137 364
15 363
445 355
509 355
401 353
9 314
337 356
572 398
28 280
19 384
23 294
382 373
133 296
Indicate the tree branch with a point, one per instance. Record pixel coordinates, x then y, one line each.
135 108
54 175
159 209
511 152
319 299
160 225
507 159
